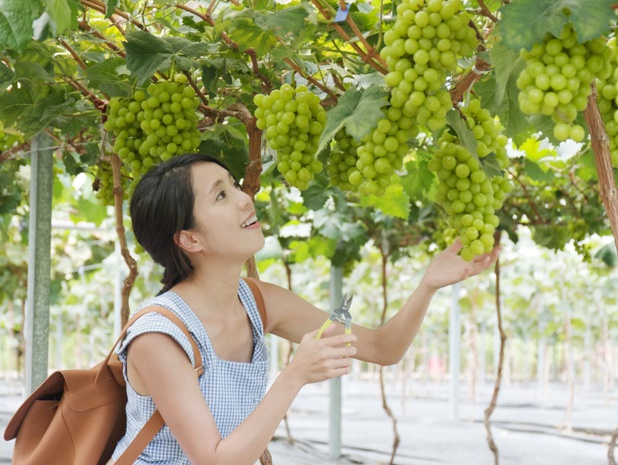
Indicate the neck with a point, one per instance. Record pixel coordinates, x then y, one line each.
212 289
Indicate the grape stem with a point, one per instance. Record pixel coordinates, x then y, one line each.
195 87
266 85
485 11
309 78
602 157
208 19
86 27
101 7
529 198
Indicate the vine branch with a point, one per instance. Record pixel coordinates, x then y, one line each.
13 150
494 398
602 157
485 11
122 239
102 8
74 54
375 61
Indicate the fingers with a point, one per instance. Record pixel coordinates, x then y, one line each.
456 246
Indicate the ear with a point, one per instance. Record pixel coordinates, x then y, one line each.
187 241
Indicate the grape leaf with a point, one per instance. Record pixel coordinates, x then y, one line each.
6 76
419 180
507 65
357 111
290 21
508 112
229 149
490 165
395 202
111 6
454 119
147 53
608 255
537 173
16 18
33 72
104 76
62 15
20 101
92 212
316 195
241 27
526 22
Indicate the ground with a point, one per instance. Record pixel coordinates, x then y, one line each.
527 429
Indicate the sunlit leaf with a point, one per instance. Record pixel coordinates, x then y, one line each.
395 202
61 13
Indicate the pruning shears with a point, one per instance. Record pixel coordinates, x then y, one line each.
340 314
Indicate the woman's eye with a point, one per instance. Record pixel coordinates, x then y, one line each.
221 195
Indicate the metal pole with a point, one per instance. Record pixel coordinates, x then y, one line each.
454 333
334 441
36 330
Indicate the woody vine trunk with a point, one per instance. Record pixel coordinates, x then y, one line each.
494 398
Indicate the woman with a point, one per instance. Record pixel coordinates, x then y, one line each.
191 216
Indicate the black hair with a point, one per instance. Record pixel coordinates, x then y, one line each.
161 206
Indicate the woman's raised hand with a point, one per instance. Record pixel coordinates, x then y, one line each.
448 268
317 360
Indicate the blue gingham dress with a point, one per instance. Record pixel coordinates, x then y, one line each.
231 389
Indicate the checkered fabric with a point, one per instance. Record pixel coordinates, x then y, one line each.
231 389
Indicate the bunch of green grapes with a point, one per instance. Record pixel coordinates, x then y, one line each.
104 188
381 152
342 161
469 196
608 102
293 121
557 76
421 50
155 124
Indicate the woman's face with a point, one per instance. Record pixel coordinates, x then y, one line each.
225 217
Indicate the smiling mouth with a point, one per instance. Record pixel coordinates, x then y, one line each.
249 222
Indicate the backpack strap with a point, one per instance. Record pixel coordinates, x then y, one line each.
155 422
259 299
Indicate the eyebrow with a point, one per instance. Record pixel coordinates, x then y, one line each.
219 183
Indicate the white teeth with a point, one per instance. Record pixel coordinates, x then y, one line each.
249 222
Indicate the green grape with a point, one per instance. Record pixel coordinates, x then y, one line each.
104 183
149 129
557 76
381 152
292 120
341 165
468 195
421 51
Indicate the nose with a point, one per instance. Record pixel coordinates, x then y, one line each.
244 199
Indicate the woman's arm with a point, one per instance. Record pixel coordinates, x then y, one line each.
162 370
289 316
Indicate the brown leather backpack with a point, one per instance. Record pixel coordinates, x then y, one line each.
76 417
